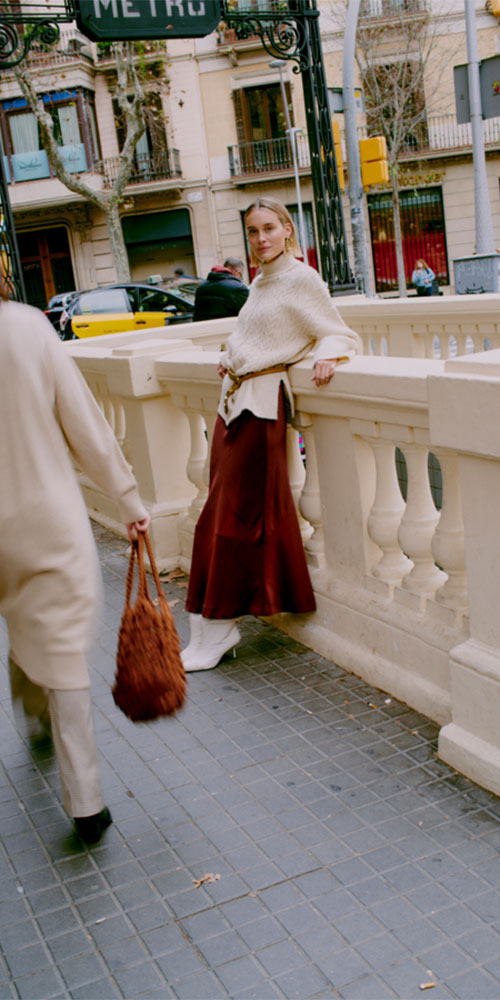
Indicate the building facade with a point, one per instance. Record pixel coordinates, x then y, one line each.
216 140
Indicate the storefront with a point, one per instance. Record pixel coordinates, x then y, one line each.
159 242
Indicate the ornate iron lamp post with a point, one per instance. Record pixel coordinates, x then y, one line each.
289 29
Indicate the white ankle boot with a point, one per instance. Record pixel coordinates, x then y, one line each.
217 637
195 630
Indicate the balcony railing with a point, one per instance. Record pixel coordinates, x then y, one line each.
371 9
142 50
146 167
440 133
72 45
268 156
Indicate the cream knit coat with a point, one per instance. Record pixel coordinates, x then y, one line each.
288 314
49 576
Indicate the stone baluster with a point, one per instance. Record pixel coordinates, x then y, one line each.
297 476
310 501
448 543
196 462
418 525
386 514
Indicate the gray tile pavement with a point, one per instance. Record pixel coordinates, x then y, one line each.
348 862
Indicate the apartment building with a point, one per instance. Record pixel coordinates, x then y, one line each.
216 139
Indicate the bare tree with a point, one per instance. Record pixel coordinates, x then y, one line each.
130 96
402 73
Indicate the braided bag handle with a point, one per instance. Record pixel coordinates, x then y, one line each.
150 680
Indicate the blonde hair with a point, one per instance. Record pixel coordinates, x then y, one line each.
273 205
423 263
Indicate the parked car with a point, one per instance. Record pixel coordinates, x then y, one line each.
56 306
123 307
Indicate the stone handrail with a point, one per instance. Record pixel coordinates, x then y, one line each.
407 596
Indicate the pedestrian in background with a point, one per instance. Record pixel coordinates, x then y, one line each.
223 293
248 556
49 574
423 277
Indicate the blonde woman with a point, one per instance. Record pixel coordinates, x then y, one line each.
248 557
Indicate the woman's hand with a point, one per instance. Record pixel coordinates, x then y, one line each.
221 370
136 526
324 371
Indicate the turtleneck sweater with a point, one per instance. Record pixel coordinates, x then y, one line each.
289 313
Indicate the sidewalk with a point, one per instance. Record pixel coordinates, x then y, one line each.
347 861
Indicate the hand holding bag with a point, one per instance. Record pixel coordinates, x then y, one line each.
150 680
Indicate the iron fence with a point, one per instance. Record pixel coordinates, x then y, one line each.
268 156
146 167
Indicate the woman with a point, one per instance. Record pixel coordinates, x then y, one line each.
49 577
248 556
422 278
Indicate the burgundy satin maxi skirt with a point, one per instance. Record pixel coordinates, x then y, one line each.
248 556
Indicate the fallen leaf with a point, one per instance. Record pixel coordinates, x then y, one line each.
426 986
205 878
181 583
175 574
172 604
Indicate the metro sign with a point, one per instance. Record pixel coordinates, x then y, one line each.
133 20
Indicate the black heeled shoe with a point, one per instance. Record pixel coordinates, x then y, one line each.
91 828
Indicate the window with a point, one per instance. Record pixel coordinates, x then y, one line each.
422 225
105 300
71 130
261 128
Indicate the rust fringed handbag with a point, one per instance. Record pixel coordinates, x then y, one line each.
150 679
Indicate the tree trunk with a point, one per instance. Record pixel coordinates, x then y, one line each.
398 236
116 239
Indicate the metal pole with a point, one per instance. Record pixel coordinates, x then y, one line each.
485 242
351 134
291 132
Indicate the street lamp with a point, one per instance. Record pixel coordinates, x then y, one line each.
292 134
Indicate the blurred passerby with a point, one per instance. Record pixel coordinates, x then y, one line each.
223 293
49 573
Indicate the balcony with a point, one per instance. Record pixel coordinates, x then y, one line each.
441 134
72 46
146 167
268 156
388 10
147 50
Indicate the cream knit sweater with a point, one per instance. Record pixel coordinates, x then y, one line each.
289 313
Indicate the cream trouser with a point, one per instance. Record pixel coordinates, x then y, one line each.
70 714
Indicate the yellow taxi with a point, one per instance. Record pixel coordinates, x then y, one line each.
124 307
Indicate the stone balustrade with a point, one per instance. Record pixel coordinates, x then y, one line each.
407 595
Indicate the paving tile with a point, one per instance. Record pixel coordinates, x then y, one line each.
351 859
473 985
366 988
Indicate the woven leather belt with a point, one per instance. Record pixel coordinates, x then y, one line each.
238 379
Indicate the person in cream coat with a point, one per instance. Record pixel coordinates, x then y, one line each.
49 573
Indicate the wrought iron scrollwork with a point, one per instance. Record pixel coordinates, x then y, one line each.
14 47
283 37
